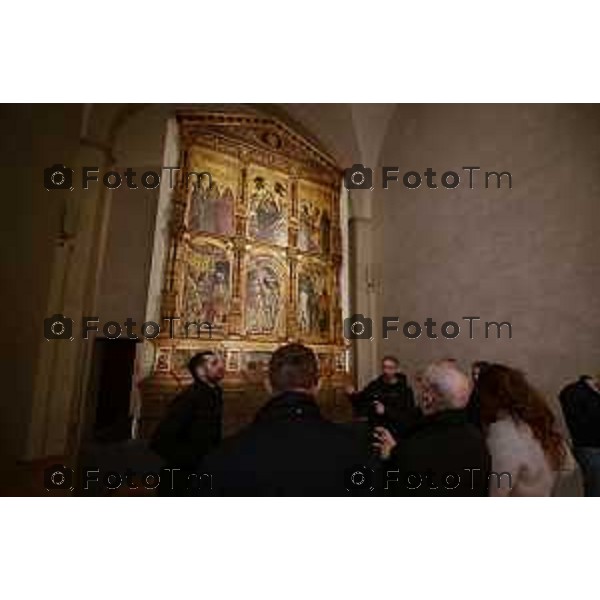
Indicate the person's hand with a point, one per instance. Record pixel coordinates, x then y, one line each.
379 407
350 389
384 442
427 402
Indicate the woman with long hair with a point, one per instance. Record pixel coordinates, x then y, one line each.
521 432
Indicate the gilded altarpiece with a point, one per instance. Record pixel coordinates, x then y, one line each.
254 259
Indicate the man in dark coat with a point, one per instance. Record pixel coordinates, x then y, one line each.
442 454
388 400
290 449
192 426
580 402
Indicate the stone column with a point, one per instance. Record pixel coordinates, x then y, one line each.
362 283
63 365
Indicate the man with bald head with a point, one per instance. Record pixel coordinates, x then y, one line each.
443 454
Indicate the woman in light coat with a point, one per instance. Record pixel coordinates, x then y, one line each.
522 435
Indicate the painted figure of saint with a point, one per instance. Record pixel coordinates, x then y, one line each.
207 291
224 216
267 221
304 229
303 305
307 304
313 304
210 210
314 231
198 204
263 305
323 312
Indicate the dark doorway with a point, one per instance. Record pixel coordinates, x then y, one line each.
114 366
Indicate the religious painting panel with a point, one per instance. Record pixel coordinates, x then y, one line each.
257 362
255 366
314 218
268 200
314 301
232 360
207 283
265 294
211 201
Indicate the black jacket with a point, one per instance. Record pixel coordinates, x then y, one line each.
289 450
397 398
474 407
191 427
581 408
443 455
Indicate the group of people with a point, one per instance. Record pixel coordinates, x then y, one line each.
488 434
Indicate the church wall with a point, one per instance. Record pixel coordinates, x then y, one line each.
529 255
33 137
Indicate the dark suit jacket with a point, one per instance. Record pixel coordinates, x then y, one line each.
397 398
581 408
191 427
289 450
443 455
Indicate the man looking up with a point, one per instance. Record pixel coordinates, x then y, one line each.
443 454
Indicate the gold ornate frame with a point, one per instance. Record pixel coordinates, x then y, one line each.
240 147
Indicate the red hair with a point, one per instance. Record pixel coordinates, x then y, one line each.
506 390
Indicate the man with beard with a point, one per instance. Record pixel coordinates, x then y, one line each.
388 400
192 426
